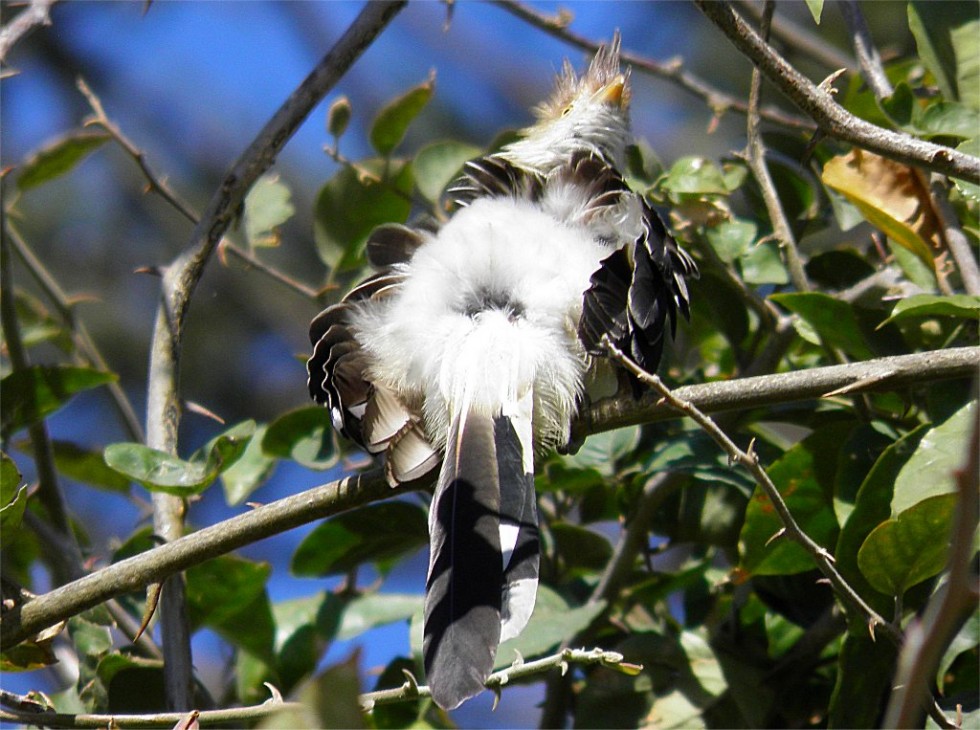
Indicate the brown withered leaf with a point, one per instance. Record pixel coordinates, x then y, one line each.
891 196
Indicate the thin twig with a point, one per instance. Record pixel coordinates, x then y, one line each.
755 155
673 70
83 340
833 119
750 461
37 13
179 282
956 240
868 57
255 263
155 564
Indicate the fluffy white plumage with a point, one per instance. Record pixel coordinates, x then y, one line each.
488 310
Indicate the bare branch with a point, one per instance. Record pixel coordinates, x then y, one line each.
834 120
181 278
867 54
37 13
802 40
956 242
154 565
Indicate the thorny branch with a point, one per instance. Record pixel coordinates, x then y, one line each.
35 14
833 119
179 281
154 565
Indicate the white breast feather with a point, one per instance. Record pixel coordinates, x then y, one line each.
428 342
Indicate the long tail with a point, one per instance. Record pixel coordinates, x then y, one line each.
483 564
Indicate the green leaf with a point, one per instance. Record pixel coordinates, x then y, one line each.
803 477
833 319
964 306
379 532
159 471
328 701
930 471
864 672
762 265
27 396
552 622
218 588
10 479
945 36
580 549
816 9
695 176
267 206
304 435
37 325
11 515
732 239
249 472
438 164
89 639
392 121
902 552
643 166
969 189
353 202
901 105
84 465
370 610
59 157
871 507
600 451
949 119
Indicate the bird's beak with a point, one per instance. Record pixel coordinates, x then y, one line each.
613 92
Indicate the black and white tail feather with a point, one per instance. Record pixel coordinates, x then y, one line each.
469 349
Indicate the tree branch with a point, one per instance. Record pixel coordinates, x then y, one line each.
833 119
179 281
35 14
750 461
154 565
672 70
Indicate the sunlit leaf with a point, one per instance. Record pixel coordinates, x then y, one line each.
59 157
267 206
162 472
763 265
889 195
392 122
969 189
379 532
907 550
11 515
833 319
931 469
328 701
964 306
950 119
353 202
27 396
371 610
37 325
946 38
816 9
695 175
249 472
601 450
437 164
732 239
10 479
304 435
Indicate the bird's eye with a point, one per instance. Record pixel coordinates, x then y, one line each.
566 110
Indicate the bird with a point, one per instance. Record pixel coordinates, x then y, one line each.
468 351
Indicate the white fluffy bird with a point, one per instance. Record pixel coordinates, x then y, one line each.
471 346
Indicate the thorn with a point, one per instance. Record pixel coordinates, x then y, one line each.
776 535
200 410
518 660
563 666
871 629
411 684
253 505
151 270
496 697
153 592
276 698
828 83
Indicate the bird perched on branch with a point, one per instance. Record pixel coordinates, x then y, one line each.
468 351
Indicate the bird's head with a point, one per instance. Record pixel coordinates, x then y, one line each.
588 113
